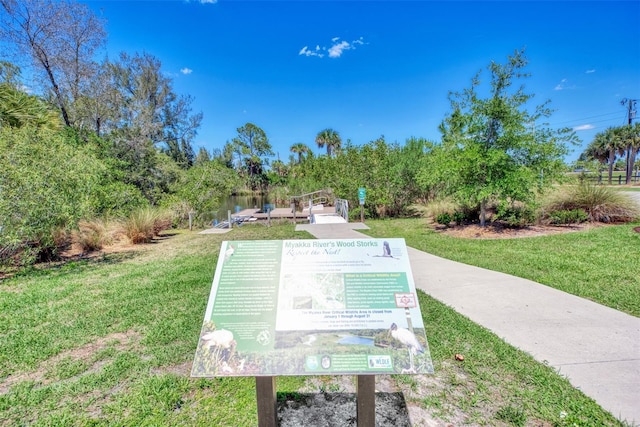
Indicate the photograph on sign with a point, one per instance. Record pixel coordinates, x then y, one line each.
312 307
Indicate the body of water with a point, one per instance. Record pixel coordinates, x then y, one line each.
354 340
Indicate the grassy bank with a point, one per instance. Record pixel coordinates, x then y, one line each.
600 264
110 341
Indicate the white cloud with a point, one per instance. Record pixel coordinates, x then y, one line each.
560 85
583 127
306 52
590 71
208 1
186 70
335 51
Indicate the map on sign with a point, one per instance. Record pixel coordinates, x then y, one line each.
312 307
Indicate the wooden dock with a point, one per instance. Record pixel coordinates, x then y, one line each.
286 213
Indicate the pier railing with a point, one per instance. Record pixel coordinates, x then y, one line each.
301 202
342 208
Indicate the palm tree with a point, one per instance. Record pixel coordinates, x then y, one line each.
300 149
605 147
19 109
279 167
330 138
630 140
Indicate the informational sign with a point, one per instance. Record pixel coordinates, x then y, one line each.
312 307
362 193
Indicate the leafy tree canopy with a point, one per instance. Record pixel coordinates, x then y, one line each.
494 148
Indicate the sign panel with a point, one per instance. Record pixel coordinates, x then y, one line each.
362 193
312 307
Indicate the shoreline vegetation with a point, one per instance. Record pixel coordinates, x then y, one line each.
110 340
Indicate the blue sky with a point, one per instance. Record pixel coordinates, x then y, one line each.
368 69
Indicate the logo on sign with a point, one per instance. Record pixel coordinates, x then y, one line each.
380 362
405 300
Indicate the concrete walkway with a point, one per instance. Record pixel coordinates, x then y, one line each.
596 347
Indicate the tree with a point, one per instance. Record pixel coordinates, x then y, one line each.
630 136
144 110
202 157
9 74
605 147
253 144
203 186
329 138
17 109
60 38
300 149
493 147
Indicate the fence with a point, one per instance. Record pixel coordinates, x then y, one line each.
604 179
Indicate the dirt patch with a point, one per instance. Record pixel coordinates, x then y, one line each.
331 401
181 370
501 231
121 341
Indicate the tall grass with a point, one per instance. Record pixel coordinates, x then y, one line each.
93 235
143 224
602 204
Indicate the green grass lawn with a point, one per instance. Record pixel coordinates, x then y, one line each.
110 341
601 264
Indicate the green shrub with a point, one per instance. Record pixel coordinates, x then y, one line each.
460 217
47 184
443 218
573 216
515 214
118 198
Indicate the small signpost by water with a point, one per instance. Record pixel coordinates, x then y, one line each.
312 307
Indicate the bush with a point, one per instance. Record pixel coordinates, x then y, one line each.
515 214
460 217
443 218
47 184
601 204
574 216
118 198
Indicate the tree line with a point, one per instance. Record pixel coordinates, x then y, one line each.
104 138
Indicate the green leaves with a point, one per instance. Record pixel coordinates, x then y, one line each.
44 184
203 186
492 148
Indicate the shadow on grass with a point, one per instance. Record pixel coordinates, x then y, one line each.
338 409
76 263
